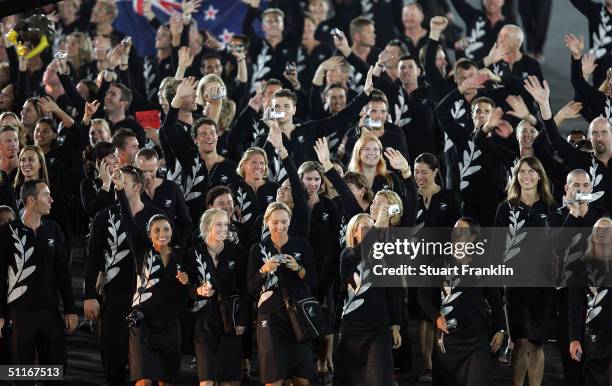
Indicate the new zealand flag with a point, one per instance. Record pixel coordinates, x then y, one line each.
222 17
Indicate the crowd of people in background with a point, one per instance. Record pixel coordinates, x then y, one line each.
222 188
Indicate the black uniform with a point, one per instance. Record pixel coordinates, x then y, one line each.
169 198
280 355
34 271
463 356
529 309
218 348
252 204
300 145
196 179
601 175
109 258
480 33
269 62
155 341
364 353
590 318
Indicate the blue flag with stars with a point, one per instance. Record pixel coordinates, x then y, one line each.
222 17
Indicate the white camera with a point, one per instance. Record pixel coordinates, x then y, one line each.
584 197
393 209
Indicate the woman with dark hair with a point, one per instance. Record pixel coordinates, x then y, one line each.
528 204
281 270
463 313
100 164
32 166
590 315
438 207
220 301
155 338
31 112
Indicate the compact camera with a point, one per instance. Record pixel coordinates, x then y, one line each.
126 40
60 55
279 258
393 209
336 32
290 67
584 196
271 114
220 94
451 325
372 123
237 47
134 318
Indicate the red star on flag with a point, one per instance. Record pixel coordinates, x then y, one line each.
211 13
166 6
226 36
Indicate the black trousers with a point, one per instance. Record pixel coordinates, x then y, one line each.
114 339
535 15
37 333
571 369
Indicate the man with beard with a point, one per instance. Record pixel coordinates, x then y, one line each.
575 217
600 136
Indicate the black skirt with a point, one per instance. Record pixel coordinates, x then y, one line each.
218 355
155 351
466 362
364 360
279 354
530 313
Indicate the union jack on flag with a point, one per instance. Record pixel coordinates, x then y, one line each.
222 17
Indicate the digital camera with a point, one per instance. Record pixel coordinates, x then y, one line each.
451 325
372 123
220 94
237 47
290 67
60 55
271 114
584 196
134 318
336 32
393 209
279 258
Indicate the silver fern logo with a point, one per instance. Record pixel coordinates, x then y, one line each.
401 111
261 66
18 274
115 252
146 281
267 289
596 294
244 204
193 180
474 42
601 36
514 236
360 277
596 178
470 155
203 277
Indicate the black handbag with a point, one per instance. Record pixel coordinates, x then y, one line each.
307 318
229 306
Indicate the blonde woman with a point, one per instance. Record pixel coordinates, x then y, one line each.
253 191
217 269
369 321
80 56
281 267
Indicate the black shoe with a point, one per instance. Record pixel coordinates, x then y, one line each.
425 376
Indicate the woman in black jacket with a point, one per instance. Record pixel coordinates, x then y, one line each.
155 338
369 328
528 204
281 269
217 269
460 311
